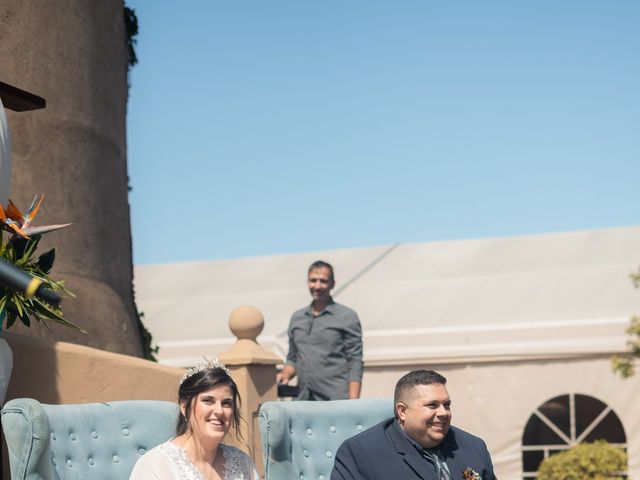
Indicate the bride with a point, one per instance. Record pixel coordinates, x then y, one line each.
209 407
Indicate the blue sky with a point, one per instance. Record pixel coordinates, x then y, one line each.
258 128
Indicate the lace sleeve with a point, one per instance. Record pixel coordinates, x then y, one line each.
238 465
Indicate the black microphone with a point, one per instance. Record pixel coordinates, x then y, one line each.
22 282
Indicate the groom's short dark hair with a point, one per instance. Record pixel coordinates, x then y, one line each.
413 379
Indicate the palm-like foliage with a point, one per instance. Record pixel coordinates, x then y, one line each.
20 250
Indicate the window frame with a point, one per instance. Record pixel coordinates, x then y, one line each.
571 440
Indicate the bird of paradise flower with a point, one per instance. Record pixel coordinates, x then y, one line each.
14 221
20 250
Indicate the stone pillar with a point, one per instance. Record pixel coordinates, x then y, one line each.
254 370
74 54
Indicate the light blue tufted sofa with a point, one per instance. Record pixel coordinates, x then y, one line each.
92 441
300 439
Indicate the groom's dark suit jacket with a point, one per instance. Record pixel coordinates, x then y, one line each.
384 452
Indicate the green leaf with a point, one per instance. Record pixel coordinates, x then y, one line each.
44 310
24 318
11 319
19 245
8 253
45 261
17 302
31 247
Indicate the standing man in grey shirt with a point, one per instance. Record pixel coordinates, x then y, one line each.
325 343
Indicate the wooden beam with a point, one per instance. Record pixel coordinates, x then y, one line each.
19 100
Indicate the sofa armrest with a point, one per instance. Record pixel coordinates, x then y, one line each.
26 429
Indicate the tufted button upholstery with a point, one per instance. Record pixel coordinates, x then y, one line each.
300 439
99 441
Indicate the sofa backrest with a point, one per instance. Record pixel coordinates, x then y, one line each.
300 439
85 441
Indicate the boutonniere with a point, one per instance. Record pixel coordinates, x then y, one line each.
470 474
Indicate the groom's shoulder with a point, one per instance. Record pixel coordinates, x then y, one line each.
371 433
463 437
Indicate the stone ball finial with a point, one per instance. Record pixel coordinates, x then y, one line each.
246 322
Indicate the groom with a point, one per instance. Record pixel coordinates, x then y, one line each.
419 443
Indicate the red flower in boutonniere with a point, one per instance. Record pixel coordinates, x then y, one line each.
470 474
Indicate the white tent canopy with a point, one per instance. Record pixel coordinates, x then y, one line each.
542 296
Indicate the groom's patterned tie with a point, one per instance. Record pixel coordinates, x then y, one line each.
435 457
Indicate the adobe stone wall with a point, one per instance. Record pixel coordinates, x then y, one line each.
73 53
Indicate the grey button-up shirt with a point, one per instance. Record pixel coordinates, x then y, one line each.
326 351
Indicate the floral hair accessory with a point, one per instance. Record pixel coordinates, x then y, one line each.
470 474
202 366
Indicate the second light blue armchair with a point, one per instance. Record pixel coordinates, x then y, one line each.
300 439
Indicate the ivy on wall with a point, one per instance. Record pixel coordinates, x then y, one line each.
131 31
624 364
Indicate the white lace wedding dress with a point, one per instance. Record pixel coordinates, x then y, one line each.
170 462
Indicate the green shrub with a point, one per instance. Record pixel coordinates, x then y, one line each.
597 461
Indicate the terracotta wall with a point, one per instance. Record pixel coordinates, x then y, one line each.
60 372
74 54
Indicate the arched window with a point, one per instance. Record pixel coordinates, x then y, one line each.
564 421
